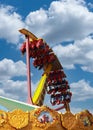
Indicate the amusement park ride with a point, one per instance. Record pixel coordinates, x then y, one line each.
34 115
52 82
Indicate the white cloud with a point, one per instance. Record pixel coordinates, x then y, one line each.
37 22
64 20
10 23
80 52
9 69
15 89
81 91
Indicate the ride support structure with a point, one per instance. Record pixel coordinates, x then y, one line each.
29 99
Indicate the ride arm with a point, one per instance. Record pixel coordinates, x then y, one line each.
38 97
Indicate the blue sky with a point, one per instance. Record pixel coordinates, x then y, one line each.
67 26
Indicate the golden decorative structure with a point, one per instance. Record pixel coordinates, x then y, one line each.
33 120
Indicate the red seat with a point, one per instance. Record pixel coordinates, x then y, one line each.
23 48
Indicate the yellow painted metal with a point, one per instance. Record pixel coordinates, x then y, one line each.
27 33
39 90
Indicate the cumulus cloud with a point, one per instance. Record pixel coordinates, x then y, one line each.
10 23
64 20
81 90
9 69
15 89
80 52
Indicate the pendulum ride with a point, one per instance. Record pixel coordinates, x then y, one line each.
53 80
